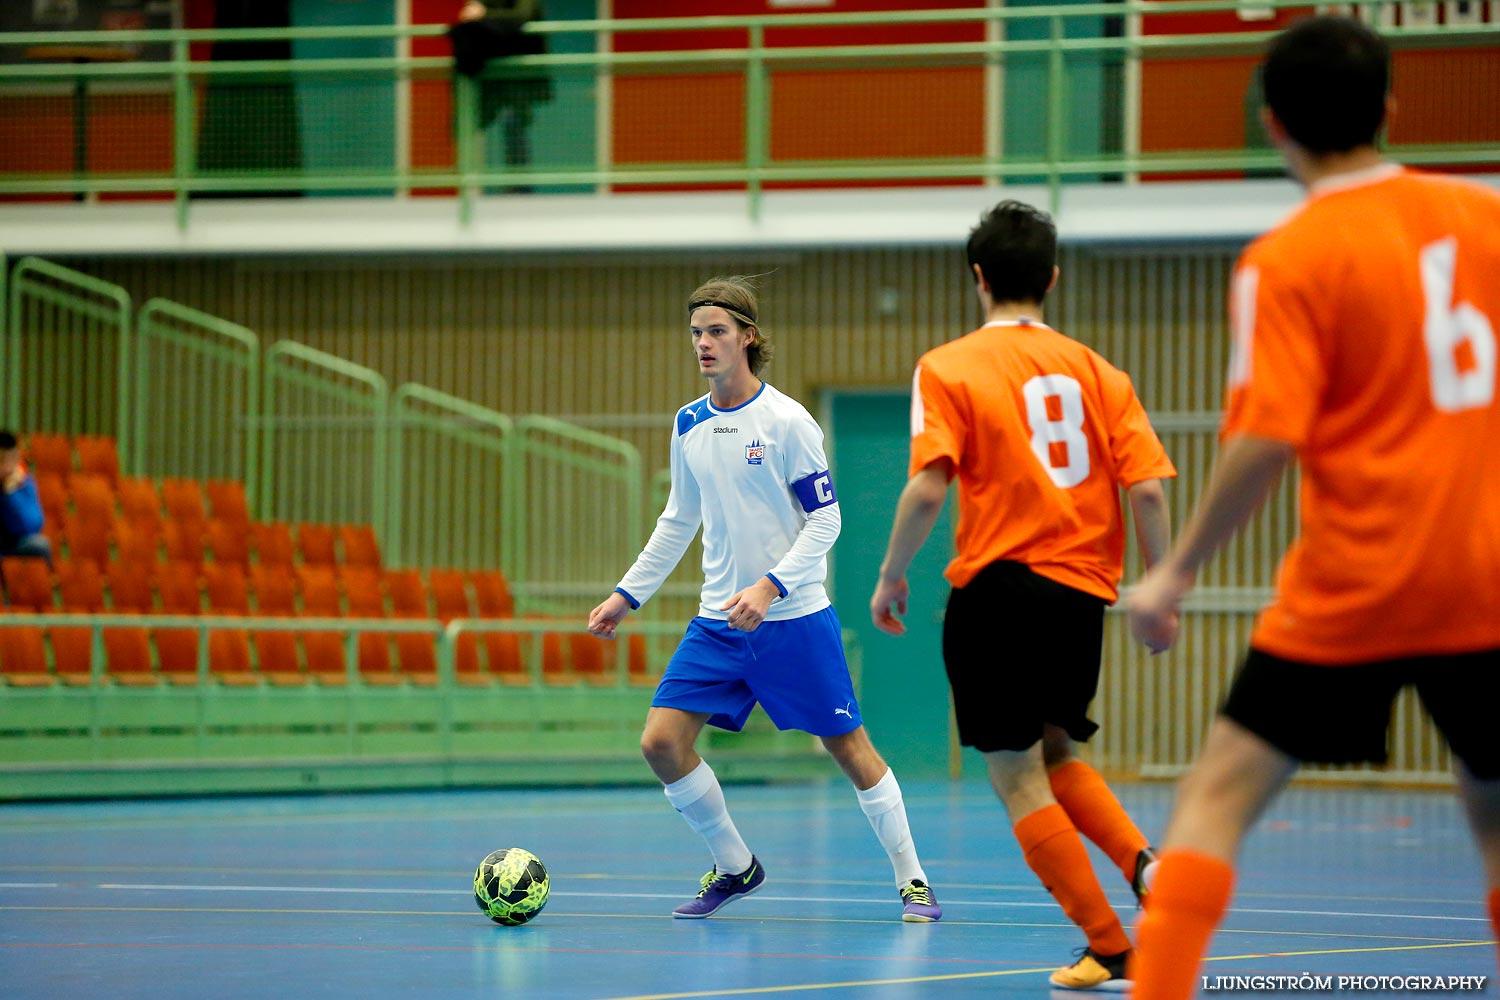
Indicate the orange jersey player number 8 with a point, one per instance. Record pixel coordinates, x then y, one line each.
1054 411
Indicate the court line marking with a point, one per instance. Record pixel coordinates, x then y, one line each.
374 890
850 984
626 877
451 914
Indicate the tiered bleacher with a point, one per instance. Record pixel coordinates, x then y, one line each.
175 546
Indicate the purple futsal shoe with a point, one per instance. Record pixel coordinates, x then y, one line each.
920 905
720 889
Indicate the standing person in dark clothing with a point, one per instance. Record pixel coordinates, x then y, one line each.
493 30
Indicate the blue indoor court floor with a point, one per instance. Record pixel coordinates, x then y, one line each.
368 896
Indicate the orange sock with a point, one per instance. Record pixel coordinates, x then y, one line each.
1097 814
1055 852
1188 899
1495 912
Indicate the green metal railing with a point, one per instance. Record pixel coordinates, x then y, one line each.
196 397
113 734
454 500
1058 49
443 481
578 520
326 440
68 351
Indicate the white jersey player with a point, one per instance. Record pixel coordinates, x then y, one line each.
748 466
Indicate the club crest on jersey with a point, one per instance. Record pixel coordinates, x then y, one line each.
755 453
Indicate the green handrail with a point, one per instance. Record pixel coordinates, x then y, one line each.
163 323
460 422
83 298
538 437
324 375
754 59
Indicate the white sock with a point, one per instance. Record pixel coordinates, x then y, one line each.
887 814
699 798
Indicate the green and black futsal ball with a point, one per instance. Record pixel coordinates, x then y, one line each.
511 886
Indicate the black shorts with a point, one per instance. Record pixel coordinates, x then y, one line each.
1021 650
1340 715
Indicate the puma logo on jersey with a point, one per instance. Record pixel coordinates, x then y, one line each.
845 709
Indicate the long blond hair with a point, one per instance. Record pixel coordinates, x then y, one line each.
736 295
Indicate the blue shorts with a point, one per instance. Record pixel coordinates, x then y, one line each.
794 668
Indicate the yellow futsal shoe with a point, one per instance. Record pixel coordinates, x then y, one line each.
1093 971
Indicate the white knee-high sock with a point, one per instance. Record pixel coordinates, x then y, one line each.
887 814
699 798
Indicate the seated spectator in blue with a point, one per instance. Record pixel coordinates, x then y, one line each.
20 507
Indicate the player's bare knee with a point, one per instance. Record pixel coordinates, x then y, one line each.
659 747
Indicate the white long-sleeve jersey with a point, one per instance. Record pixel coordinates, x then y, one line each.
756 478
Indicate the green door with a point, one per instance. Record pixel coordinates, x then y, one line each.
903 689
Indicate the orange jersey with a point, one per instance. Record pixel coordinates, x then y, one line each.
1365 337
1043 433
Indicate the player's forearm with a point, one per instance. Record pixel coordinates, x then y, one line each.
1247 469
1152 519
916 512
663 551
804 560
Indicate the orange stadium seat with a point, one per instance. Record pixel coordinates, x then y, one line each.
276 596
177 648
638 668
179 586
492 594
450 598
554 667
72 654
127 656
275 590
229 542
359 545
50 453
23 657
131 586
366 593
184 541
28 583
138 541
53 493
80 585
502 650
139 501
229 648
417 653
226 501
408 596
272 541
589 656
93 497
87 539
127 650
183 500
315 544
228 591
98 456
324 650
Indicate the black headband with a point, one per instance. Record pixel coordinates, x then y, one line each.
734 311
